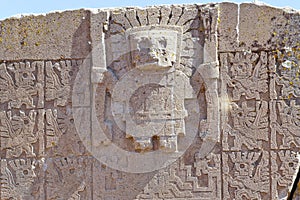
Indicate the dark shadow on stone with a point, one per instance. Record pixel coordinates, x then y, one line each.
296 185
81 47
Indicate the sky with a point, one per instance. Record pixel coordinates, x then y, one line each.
10 8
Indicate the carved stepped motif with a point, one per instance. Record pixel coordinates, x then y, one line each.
181 181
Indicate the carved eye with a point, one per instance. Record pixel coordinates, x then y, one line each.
242 166
25 75
71 73
25 172
26 121
291 164
72 171
163 43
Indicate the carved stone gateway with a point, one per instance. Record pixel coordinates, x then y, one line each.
167 102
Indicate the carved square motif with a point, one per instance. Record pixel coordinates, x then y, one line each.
184 181
61 136
21 179
285 124
22 84
245 75
284 165
59 78
68 178
22 133
246 174
285 74
247 126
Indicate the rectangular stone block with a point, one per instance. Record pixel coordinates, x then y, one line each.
54 36
164 102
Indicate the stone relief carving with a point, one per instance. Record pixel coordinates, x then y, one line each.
20 82
26 133
159 78
245 79
284 86
180 181
286 124
151 59
283 167
287 73
154 47
246 175
68 178
53 132
58 81
17 177
17 133
248 114
246 73
160 103
250 126
76 195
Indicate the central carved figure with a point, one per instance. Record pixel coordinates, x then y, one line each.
153 108
154 88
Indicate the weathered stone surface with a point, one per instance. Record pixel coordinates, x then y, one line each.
164 102
254 27
228 26
54 36
68 178
22 179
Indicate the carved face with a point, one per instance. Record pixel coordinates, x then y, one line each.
288 168
242 115
25 175
243 169
23 73
241 70
153 48
23 124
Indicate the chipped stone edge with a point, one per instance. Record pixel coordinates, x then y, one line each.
287 9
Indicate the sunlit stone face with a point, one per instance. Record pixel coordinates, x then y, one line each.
154 48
